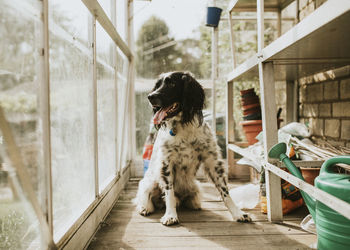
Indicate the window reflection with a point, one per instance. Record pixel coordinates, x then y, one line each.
71 113
19 85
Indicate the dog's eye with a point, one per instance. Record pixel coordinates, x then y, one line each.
169 83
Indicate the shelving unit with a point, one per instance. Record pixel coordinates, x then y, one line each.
319 42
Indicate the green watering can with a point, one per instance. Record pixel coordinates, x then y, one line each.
333 229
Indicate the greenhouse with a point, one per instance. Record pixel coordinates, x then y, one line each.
163 124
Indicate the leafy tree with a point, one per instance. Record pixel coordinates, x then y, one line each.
156 52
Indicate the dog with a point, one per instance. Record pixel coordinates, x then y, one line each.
184 142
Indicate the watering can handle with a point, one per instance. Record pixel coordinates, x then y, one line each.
327 165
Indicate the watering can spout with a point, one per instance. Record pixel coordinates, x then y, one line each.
278 151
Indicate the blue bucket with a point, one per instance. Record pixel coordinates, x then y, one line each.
213 16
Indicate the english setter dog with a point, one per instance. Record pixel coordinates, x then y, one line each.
184 143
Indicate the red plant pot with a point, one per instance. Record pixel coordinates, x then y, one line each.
310 174
251 100
251 129
247 91
251 111
251 106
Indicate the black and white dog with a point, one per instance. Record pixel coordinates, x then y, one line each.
184 143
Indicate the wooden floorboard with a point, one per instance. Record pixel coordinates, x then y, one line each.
209 228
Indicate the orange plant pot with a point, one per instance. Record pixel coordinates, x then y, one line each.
310 174
251 129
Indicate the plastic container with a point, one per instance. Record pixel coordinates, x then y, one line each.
213 16
333 229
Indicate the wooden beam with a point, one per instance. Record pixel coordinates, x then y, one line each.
331 201
132 111
269 121
94 104
230 134
229 113
232 41
279 23
260 24
97 11
291 101
214 71
44 106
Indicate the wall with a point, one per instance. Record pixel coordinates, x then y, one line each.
308 6
324 98
324 104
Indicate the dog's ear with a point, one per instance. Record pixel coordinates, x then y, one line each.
193 99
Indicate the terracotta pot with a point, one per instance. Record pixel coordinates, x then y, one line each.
254 116
251 129
251 106
246 91
310 174
251 111
249 101
250 94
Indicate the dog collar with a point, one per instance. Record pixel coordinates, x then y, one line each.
171 132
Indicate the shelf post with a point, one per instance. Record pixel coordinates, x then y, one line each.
232 36
230 138
260 24
291 101
214 73
269 120
279 22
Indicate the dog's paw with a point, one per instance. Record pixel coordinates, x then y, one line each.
144 211
193 204
169 220
244 218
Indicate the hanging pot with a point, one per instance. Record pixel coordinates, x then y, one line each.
213 16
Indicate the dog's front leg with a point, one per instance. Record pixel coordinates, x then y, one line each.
143 198
170 216
217 173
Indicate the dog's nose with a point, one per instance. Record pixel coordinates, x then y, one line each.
153 98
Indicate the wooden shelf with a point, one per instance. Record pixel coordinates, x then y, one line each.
303 164
248 70
319 42
250 5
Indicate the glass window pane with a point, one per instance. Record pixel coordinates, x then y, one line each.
19 85
106 107
121 18
71 113
106 6
19 227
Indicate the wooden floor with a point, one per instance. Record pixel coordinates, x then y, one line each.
210 228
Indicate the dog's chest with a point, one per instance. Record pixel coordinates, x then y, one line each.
184 154
186 150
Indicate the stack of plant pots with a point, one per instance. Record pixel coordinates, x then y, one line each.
251 123
250 105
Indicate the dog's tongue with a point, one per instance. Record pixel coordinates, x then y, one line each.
160 115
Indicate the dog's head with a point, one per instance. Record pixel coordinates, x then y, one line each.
177 93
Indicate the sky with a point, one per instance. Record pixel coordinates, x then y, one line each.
181 16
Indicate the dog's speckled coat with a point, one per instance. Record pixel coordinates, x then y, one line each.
172 170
